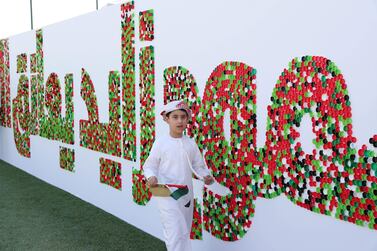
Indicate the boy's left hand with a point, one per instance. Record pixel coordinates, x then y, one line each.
208 180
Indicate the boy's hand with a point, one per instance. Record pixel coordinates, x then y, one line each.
152 181
208 180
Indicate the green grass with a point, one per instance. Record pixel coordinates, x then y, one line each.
37 216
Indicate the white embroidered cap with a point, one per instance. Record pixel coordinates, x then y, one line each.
176 105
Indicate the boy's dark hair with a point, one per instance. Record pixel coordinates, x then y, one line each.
183 110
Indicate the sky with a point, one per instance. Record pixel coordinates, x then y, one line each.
15 14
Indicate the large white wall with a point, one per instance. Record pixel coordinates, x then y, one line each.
200 35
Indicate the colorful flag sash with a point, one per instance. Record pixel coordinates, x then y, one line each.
177 191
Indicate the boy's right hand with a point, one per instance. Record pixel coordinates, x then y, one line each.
152 181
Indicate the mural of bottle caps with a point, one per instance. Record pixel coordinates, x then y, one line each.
39 52
53 125
67 159
335 179
140 192
21 117
37 88
146 25
33 63
101 137
110 173
147 102
5 101
22 63
128 81
206 128
197 224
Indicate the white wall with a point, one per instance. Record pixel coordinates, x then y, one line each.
199 35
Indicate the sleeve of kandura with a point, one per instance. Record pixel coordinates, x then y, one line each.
198 163
152 163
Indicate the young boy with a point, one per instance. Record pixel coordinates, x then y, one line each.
172 160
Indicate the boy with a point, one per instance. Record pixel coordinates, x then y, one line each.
172 160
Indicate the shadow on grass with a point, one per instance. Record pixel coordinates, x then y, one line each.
37 216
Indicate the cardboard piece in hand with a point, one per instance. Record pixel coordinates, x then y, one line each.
160 190
166 190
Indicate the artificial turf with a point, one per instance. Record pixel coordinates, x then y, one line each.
37 216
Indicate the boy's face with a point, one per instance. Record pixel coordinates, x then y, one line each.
177 121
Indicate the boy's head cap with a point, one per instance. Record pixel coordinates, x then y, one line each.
176 105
